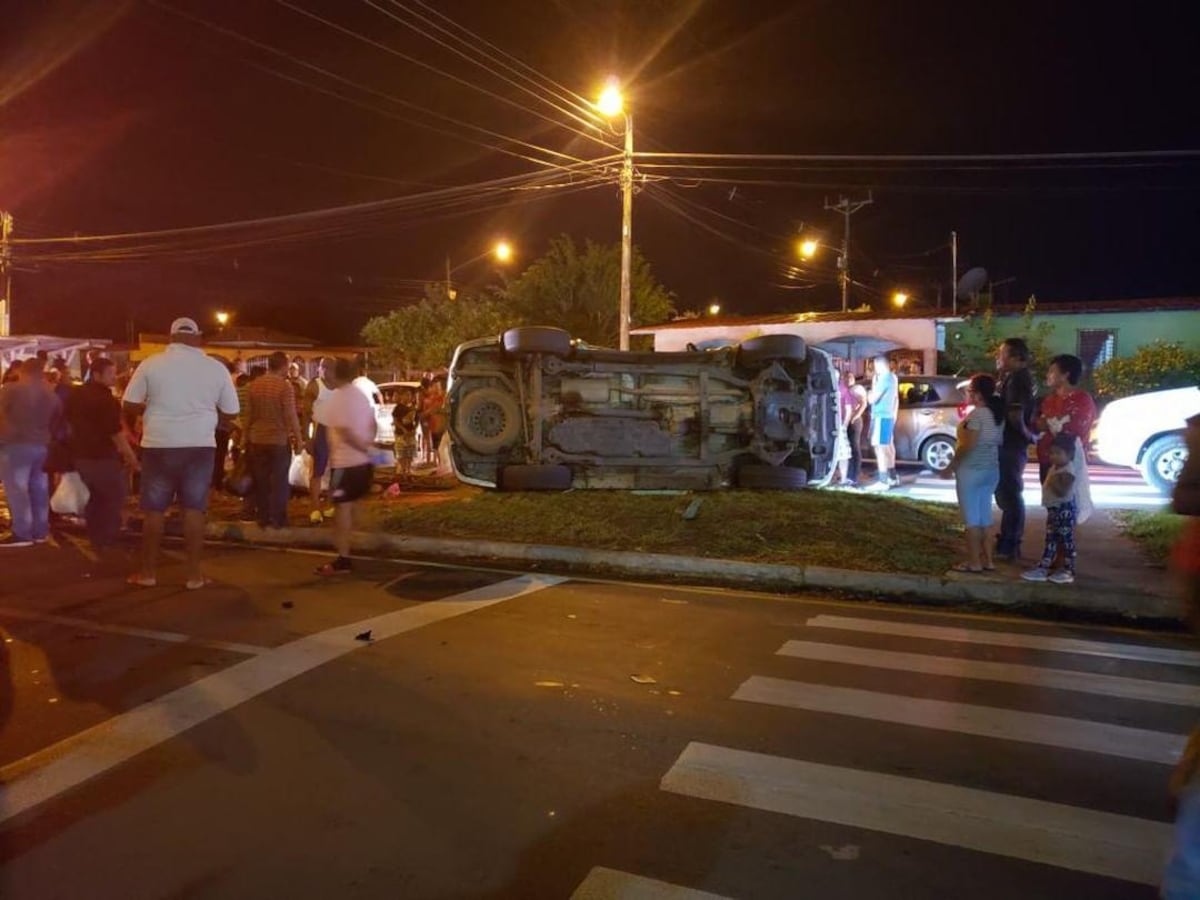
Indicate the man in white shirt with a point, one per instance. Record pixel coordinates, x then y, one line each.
350 420
181 395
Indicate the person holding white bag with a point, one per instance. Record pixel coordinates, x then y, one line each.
101 451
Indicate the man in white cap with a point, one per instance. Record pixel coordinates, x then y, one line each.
181 394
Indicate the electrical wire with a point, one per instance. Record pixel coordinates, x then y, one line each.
307 225
260 45
934 157
590 119
420 63
559 91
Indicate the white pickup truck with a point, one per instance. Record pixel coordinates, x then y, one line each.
1145 432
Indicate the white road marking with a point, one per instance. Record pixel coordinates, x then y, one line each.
609 884
46 774
965 718
1070 837
1140 652
983 670
170 637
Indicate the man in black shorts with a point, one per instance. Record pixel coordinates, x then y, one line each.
350 422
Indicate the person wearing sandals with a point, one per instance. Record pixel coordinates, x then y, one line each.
976 470
350 421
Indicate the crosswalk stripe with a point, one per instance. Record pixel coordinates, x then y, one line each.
1138 652
610 884
966 718
957 667
1070 837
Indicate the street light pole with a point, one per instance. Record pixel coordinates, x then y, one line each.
626 233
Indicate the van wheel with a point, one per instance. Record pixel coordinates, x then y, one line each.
535 478
937 453
488 420
758 477
537 339
1163 462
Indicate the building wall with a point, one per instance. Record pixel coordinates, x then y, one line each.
1133 329
870 335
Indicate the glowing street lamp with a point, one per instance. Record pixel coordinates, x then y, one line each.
611 104
900 298
807 248
503 251
714 309
223 318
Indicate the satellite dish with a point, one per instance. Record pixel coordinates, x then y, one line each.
971 283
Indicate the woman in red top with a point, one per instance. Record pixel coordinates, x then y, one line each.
1065 410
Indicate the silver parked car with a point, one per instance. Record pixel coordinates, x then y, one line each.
927 422
533 410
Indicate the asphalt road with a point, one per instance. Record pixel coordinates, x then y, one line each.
524 736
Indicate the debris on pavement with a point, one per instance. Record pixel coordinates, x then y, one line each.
848 852
364 636
548 684
287 604
643 679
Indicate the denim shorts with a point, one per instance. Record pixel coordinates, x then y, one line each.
170 472
975 488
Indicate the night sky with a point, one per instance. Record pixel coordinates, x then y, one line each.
119 117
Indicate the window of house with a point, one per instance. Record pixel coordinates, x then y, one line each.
1097 346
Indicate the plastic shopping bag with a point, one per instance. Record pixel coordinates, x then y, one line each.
1083 487
71 496
300 470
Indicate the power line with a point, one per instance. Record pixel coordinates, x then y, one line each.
562 93
349 32
236 35
589 119
934 157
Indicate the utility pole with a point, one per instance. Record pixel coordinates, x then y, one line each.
954 272
626 311
847 207
6 226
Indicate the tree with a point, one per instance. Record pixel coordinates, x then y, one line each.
1154 367
972 346
579 287
424 335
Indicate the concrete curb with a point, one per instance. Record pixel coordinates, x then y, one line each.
951 588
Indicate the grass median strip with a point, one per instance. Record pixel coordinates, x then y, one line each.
822 528
1154 531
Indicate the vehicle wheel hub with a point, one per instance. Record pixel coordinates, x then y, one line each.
1170 464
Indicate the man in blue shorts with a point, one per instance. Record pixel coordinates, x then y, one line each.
884 399
181 395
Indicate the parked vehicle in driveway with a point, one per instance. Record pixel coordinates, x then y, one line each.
533 410
927 421
1145 432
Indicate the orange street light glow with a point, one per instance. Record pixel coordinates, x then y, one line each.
610 103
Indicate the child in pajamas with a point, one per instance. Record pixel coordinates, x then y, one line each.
1058 496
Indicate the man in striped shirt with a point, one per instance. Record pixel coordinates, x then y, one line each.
272 434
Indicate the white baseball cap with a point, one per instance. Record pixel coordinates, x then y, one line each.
185 325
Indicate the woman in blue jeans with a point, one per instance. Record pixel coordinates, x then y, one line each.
976 470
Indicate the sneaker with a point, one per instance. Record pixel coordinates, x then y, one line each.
13 541
339 566
877 487
315 517
1062 576
1038 574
